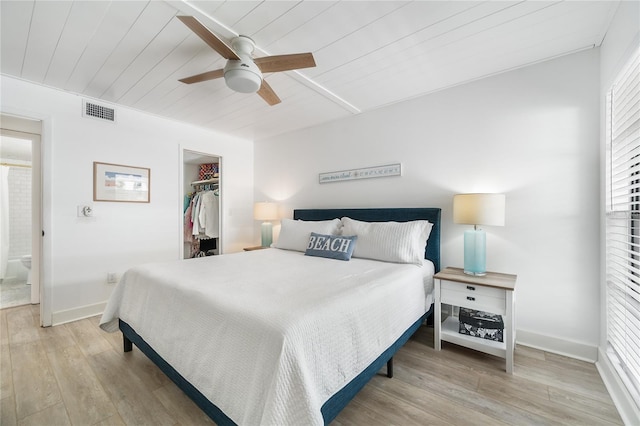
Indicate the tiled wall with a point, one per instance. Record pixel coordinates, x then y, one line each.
19 211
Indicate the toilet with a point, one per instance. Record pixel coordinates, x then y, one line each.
26 261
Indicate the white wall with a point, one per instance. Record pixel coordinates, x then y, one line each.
79 252
531 133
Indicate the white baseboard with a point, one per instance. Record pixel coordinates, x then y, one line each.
622 398
558 346
79 313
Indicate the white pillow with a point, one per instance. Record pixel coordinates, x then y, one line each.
399 242
294 234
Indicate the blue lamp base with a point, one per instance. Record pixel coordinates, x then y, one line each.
475 256
267 234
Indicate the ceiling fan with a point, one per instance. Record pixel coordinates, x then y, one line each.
243 73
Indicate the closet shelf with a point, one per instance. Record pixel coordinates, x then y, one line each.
200 182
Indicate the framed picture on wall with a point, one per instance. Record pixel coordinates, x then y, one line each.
115 182
362 173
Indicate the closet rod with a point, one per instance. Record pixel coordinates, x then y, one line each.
16 165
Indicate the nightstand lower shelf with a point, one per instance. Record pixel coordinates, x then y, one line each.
450 333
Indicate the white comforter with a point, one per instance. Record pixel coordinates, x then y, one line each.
269 335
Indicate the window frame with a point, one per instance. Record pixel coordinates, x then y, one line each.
622 225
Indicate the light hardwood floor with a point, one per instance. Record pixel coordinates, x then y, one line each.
76 374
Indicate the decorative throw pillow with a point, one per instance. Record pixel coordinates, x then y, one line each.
294 234
331 246
398 242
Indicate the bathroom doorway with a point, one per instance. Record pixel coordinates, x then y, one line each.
20 217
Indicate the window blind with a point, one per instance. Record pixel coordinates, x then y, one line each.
623 223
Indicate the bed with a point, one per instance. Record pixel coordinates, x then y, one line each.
281 337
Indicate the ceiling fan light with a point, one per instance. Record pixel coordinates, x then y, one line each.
243 81
243 75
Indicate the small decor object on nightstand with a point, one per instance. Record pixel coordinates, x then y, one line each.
481 324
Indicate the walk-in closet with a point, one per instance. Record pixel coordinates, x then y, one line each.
201 206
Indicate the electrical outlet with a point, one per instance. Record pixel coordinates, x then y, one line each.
112 278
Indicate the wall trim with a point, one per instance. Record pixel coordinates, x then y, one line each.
75 314
622 398
558 345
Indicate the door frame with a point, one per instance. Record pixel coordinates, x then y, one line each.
43 125
29 130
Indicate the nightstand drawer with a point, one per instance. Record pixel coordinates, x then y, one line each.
471 289
481 302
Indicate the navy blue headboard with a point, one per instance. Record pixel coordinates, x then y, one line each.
432 251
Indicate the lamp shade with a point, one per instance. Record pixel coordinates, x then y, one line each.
265 211
479 209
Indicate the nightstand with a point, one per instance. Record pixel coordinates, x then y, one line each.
493 293
254 248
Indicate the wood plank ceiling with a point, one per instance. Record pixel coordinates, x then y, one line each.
368 53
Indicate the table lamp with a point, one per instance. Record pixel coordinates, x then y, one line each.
266 212
477 209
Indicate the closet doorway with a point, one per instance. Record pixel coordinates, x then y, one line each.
202 204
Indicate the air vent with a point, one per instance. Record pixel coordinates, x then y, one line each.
99 112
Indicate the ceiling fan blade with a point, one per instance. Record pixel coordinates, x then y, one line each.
285 62
205 76
210 38
267 93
